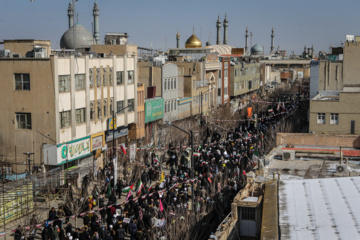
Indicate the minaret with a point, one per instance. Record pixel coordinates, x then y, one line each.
178 40
272 41
247 41
71 13
226 24
218 27
96 11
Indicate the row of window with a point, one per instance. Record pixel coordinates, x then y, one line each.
170 83
246 71
170 106
197 99
64 80
334 118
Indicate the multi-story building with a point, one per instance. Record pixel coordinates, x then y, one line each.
333 109
59 106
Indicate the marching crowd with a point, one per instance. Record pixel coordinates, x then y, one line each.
159 208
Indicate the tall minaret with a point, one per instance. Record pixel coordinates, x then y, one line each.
272 41
218 27
96 11
247 41
178 40
71 13
226 24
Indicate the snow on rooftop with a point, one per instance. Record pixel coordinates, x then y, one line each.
250 199
326 208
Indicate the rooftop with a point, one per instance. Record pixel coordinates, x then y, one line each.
320 208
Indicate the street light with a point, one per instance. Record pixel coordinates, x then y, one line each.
113 130
192 171
28 159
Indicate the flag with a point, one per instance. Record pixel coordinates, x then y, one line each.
2 234
150 188
162 178
198 207
129 194
209 180
139 186
141 214
109 190
249 112
128 188
161 208
278 106
123 148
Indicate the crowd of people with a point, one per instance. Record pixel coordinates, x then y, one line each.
161 207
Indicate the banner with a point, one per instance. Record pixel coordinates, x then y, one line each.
249 112
132 152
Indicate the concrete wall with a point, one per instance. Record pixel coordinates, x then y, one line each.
240 77
126 49
347 108
24 46
351 63
318 139
39 101
330 75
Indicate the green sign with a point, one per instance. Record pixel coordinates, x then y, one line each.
154 109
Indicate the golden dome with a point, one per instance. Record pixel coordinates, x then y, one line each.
193 42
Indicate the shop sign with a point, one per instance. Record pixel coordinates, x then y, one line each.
154 109
73 150
119 132
97 141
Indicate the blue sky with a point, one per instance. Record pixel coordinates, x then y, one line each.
297 23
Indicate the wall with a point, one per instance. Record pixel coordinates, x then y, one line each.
170 95
347 107
240 77
39 101
22 46
127 49
352 141
330 75
351 63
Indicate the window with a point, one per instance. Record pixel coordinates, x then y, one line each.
65 119
22 81
64 83
219 74
165 84
99 110
131 104
168 106
250 84
120 105
105 76
247 213
130 77
80 115
334 118
98 77
219 92
321 118
79 81
111 77
111 106
166 110
91 77
105 108
175 105
92 110
171 106
174 83
119 78
23 120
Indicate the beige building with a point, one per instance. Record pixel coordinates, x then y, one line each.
57 105
334 109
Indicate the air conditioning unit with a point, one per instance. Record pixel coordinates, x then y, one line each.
288 155
15 55
40 55
341 168
4 53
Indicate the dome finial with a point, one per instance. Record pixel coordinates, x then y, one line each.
193 30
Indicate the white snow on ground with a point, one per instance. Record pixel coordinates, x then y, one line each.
327 208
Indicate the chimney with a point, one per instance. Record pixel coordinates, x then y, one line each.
272 41
96 11
218 27
226 24
247 41
71 13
